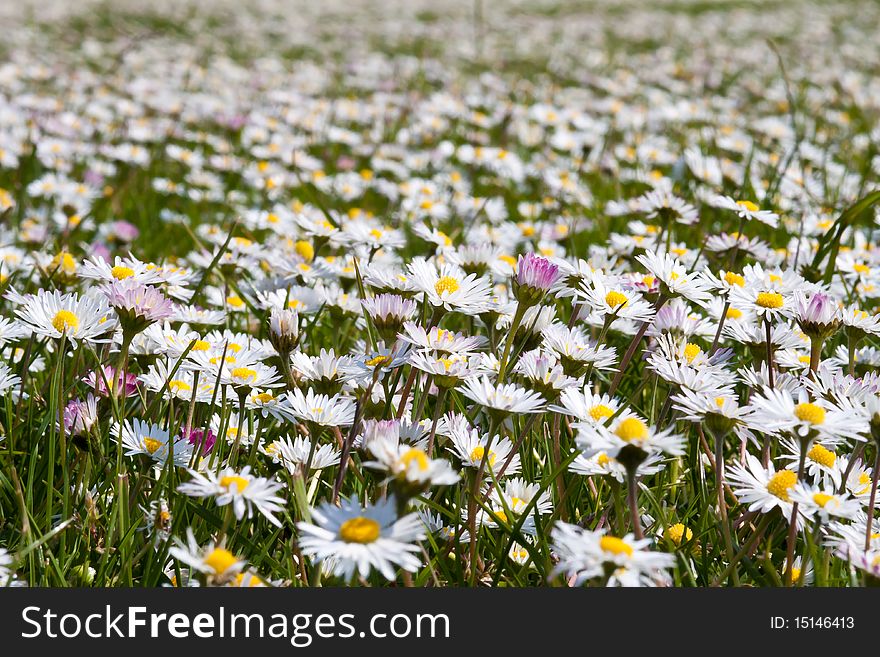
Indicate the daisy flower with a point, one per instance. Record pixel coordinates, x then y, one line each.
241 489
450 287
151 440
335 411
215 562
357 540
502 399
583 554
53 315
746 209
293 454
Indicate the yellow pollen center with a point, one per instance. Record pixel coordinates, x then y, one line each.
734 313
732 278
691 351
152 445
378 360
631 429
479 451
603 459
245 373
446 285
417 456
220 560
615 545
822 456
822 499
615 299
677 532
780 483
264 397
600 412
359 530
121 271
769 300
811 413
748 205
305 250
177 384
201 345
64 319
240 482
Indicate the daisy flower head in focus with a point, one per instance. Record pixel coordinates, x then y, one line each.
244 491
356 540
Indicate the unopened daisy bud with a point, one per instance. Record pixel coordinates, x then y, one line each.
137 305
818 316
535 276
284 330
388 312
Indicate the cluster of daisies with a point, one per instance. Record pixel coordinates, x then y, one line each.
420 298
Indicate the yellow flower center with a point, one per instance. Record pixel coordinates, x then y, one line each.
234 301
121 271
603 459
864 482
811 413
64 319
416 456
600 412
201 345
677 532
822 499
152 445
631 429
244 373
64 262
691 351
615 299
359 530
615 545
446 285
477 455
264 397
748 205
732 278
769 300
780 483
220 560
177 384
510 260
822 456
378 360
240 482
305 250
861 269
734 313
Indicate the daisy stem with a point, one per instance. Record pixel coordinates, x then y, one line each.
631 350
745 549
438 405
792 528
722 503
874 477
815 356
769 352
508 343
720 326
472 502
632 485
233 454
349 439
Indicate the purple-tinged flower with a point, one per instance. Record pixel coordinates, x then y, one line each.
137 305
199 438
80 415
388 313
123 231
96 381
535 275
818 315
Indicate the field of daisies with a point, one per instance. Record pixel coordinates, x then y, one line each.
473 294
